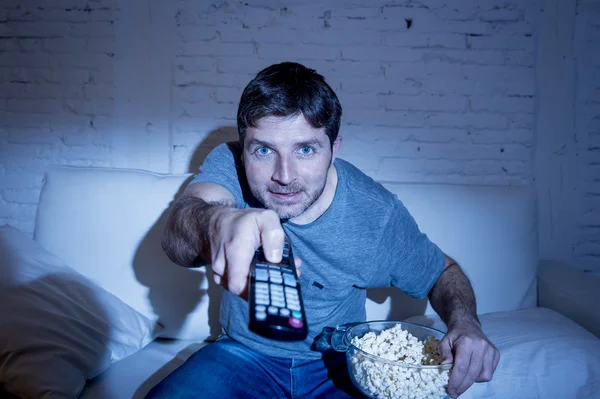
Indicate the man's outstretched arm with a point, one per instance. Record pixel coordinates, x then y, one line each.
475 357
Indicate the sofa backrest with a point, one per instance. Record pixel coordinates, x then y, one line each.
107 224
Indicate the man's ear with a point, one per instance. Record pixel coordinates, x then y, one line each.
336 147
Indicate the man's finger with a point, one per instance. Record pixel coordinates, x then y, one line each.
462 361
239 256
475 367
298 263
446 351
271 236
487 369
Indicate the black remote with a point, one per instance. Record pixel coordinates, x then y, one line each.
276 309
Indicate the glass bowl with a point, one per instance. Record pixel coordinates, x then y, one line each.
377 377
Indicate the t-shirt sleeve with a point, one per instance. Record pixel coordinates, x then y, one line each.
220 167
408 259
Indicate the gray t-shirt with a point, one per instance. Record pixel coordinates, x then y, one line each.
365 239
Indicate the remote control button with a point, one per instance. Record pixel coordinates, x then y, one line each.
277 288
261 266
273 310
277 295
261 308
276 280
261 285
297 314
262 277
286 270
261 315
284 312
262 300
278 303
293 305
286 252
291 292
296 323
289 280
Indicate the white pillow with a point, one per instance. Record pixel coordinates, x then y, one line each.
542 355
57 329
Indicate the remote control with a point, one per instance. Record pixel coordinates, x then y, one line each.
276 309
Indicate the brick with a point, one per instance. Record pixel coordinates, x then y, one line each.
85 152
25 135
197 33
29 60
196 64
360 101
425 103
37 29
305 52
209 109
20 45
468 120
512 42
89 107
245 66
467 57
10 119
92 61
18 211
37 106
23 179
21 196
102 91
516 136
193 93
381 53
74 15
228 95
420 40
101 45
454 13
72 75
208 79
383 85
518 58
340 38
504 105
215 49
501 15
92 29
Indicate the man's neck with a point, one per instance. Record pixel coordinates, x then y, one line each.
323 202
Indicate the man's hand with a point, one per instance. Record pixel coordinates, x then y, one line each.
475 357
234 236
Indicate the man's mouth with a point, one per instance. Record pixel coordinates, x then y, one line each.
285 196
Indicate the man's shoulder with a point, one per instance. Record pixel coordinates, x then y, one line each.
359 182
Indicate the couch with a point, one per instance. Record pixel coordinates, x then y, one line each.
91 307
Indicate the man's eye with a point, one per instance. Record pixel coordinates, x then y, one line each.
262 151
306 150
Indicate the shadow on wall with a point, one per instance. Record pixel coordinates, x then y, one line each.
175 291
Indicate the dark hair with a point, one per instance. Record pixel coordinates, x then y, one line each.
289 89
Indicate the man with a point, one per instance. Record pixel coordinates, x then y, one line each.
283 178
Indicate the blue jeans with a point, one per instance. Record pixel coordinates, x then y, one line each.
229 370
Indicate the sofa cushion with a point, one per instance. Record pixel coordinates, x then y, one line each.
491 231
57 328
542 355
108 224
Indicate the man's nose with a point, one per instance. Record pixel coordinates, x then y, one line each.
284 172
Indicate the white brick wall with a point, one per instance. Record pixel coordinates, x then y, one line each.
56 95
155 85
586 246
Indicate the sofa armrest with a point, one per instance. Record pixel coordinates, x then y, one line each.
571 292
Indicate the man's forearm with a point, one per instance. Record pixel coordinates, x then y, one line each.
452 296
185 240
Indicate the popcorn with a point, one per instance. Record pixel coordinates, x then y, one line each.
382 380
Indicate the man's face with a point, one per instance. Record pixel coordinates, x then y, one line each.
286 162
